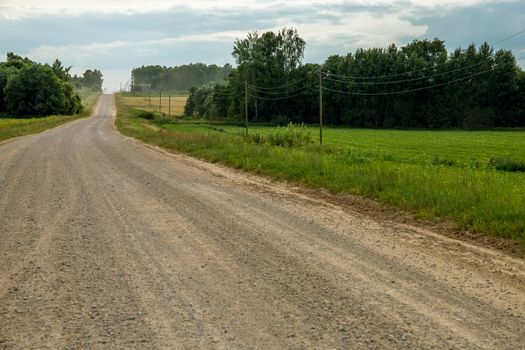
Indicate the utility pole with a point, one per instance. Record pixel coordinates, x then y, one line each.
256 110
246 106
169 106
211 115
320 107
160 101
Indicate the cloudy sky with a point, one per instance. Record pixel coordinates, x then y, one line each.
117 35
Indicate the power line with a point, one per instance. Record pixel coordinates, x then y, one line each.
509 37
214 94
304 92
295 82
276 92
301 91
426 68
399 92
402 80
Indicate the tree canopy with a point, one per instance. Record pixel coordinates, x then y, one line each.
177 78
419 85
28 88
91 79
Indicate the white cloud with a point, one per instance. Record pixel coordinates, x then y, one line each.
365 29
14 9
175 31
77 53
126 53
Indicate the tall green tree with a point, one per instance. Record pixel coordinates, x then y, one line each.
36 90
60 71
265 60
93 79
178 78
419 85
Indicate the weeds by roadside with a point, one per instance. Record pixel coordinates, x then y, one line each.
11 127
293 135
480 199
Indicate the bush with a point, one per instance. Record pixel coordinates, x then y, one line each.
436 160
294 135
507 164
280 120
146 115
256 138
164 120
36 90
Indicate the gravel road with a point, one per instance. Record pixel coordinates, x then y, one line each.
106 243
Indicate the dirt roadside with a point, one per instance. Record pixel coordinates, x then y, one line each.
106 243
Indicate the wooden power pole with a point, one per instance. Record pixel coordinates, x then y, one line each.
246 107
320 107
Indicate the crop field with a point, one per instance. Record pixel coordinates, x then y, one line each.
464 149
172 106
474 179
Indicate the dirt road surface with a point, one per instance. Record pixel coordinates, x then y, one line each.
107 243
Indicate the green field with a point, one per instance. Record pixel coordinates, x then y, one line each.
469 178
14 127
456 148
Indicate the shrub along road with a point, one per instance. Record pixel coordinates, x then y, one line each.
106 243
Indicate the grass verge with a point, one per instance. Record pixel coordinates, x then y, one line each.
482 200
14 127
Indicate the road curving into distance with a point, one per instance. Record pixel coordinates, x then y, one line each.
107 243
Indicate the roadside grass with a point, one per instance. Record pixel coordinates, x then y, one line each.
14 127
89 100
434 175
465 149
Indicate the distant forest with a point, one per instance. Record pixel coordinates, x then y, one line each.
90 79
156 78
419 85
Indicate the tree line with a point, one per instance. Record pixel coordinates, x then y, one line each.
419 85
91 79
178 78
28 88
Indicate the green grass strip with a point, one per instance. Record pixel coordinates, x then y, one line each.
14 127
484 200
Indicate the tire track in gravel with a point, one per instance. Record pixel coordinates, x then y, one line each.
108 244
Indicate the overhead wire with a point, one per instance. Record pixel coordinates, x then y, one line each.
295 82
227 94
253 89
401 80
426 68
399 92
304 92
509 37
276 92
494 67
